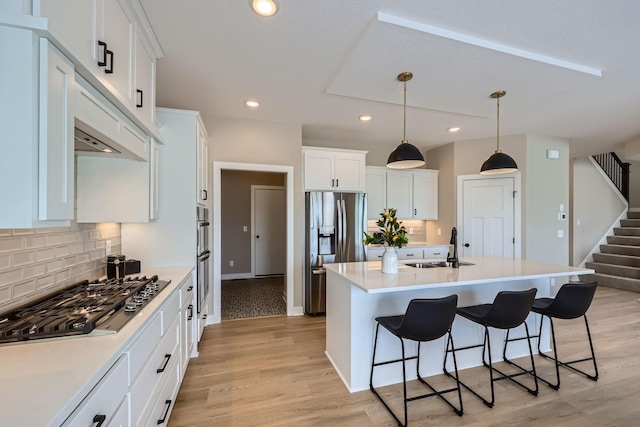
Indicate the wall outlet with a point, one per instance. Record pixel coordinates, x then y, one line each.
231 263
439 231
244 228
560 234
410 230
107 247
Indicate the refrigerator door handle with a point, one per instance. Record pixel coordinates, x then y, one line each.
344 227
339 232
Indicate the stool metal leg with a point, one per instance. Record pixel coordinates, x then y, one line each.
524 371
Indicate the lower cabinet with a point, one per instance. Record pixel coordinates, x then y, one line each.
140 388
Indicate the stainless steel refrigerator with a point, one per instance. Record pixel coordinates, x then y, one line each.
334 228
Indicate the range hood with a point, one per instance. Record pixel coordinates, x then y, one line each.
85 143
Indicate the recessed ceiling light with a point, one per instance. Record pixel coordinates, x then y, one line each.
454 129
107 150
251 103
264 7
365 118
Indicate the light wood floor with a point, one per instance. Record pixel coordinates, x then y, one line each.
273 372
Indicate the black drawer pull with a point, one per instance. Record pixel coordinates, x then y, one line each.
411 254
100 419
103 63
139 105
190 288
190 312
164 366
436 253
166 412
110 54
206 194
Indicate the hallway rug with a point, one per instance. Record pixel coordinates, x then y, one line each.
244 298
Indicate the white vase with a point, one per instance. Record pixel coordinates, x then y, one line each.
390 261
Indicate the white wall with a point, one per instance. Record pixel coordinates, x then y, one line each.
246 141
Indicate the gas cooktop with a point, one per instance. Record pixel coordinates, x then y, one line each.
99 307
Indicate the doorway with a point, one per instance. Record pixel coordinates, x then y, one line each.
268 246
489 215
219 228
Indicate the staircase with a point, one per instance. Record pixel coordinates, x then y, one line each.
618 263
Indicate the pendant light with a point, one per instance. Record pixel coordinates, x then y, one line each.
499 162
405 155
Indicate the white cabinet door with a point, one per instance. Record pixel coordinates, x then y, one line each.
376 192
202 166
349 171
154 178
145 76
318 171
399 193
425 194
55 160
409 253
115 27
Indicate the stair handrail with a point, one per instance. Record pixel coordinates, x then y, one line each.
616 170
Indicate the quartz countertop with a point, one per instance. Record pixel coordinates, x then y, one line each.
369 277
44 380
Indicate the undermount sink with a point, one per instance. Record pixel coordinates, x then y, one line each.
435 264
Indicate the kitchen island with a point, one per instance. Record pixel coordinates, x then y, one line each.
358 292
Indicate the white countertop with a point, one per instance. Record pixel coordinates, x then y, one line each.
369 277
42 379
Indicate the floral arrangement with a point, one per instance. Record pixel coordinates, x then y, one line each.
392 232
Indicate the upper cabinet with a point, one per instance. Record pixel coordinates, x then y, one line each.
113 47
414 193
202 165
36 118
334 169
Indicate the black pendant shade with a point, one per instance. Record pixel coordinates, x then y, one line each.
405 155
498 162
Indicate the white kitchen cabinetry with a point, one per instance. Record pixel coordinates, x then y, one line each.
114 48
188 330
36 118
410 252
435 251
202 164
154 180
376 191
334 170
413 193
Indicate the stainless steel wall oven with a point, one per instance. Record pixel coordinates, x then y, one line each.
203 254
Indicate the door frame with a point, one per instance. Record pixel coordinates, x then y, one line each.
218 167
517 204
253 220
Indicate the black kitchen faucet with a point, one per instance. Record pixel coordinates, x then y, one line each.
454 241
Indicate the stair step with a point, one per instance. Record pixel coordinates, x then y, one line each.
633 214
614 270
620 249
626 231
616 259
624 240
630 222
613 281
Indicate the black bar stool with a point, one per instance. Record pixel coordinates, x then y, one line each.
508 310
572 301
424 320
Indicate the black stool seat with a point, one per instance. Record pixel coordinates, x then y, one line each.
508 310
424 320
572 301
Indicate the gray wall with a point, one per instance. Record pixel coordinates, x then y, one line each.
236 213
634 184
248 141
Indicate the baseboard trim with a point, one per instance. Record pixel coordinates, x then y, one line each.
236 276
296 311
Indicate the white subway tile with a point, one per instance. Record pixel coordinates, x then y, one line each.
23 231
69 237
54 239
70 261
45 254
23 258
84 257
5 232
33 242
5 261
11 244
49 230
88 246
11 276
54 265
45 281
24 288
35 270
63 275
78 271
62 251
5 294
94 235
76 248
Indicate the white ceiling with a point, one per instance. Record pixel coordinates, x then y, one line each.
322 63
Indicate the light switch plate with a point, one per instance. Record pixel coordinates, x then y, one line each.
560 234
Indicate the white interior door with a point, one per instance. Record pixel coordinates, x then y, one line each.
488 217
269 232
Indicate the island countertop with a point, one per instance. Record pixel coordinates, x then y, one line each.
369 277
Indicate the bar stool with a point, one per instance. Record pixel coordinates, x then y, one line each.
424 320
572 301
508 310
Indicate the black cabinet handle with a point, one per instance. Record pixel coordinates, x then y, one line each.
190 312
337 183
139 105
103 63
164 366
100 419
190 288
466 245
166 412
110 55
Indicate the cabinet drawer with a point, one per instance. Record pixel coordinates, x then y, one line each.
144 345
170 311
104 399
409 253
186 291
147 386
167 398
121 417
436 252
375 254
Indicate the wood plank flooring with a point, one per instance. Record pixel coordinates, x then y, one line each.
273 372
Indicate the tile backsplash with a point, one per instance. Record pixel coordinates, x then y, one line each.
35 261
419 235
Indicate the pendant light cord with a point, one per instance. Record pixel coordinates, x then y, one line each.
498 127
404 125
